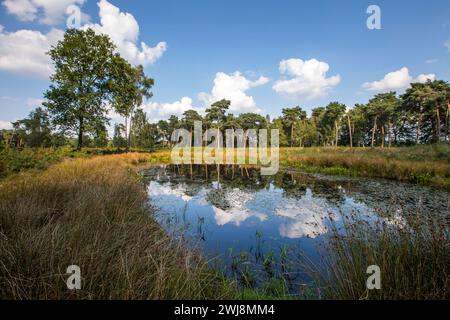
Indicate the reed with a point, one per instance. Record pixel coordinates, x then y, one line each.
412 252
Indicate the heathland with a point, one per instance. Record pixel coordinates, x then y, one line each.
69 193
60 206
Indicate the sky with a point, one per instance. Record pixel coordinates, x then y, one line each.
262 55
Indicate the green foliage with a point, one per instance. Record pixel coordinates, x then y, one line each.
35 129
89 75
189 117
283 137
425 107
119 140
144 135
13 160
247 121
215 115
291 119
129 86
381 109
76 99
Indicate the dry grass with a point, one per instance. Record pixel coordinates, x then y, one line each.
424 164
92 213
403 164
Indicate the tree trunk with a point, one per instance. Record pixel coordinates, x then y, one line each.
126 133
353 133
438 124
292 135
373 130
382 136
446 122
337 132
217 147
419 125
206 143
350 131
390 134
129 135
80 134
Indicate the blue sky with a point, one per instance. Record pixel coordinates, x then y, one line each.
205 50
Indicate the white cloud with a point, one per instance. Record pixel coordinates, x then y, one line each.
124 32
447 44
34 102
306 216
24 51
25 10
309 79
5 125
48 12
396 80
233 87
422 78
430 61
158 111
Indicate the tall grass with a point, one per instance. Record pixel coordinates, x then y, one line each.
93 213
413 254
424 164
13 160
428 165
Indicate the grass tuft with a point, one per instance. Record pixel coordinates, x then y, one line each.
93 213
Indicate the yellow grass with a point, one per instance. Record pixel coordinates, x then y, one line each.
93 213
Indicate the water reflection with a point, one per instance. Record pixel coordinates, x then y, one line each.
235 210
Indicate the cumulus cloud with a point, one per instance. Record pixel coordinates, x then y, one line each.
308 79
233 87
48 12
5 125
304 216
160 111
24 51
396 80
124 32
422 78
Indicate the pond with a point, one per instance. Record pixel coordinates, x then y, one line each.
253 227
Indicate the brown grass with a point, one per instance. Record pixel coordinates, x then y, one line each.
92 213
403 164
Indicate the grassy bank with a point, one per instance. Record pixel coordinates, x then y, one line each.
93 213
427 165
14 161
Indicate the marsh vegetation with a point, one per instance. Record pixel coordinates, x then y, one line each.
362 185
99 211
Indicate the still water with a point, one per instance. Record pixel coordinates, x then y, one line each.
245 222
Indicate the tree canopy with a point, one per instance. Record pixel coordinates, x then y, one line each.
91 79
